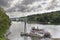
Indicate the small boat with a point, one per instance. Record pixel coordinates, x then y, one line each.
37 34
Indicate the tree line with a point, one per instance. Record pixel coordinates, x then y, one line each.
45 18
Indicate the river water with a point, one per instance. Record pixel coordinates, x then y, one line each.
18 27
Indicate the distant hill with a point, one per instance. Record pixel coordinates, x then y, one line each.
45 18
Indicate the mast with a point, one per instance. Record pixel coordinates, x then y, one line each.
25 26
25 21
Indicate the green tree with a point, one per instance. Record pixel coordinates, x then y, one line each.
4 23
52 17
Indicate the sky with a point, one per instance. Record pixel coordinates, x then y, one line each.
13 7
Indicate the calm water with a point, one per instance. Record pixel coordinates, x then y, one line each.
18 27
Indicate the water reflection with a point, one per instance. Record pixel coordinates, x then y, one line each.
18 27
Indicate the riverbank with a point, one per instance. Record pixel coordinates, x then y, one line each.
56 38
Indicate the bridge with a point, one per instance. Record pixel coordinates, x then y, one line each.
17 19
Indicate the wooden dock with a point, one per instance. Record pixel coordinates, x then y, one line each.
30 35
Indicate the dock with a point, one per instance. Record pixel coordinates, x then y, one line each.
30 35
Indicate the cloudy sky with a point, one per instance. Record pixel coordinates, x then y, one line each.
29 6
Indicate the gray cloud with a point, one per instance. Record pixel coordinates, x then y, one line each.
11 10
23 6
4 3
26 2
18 8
